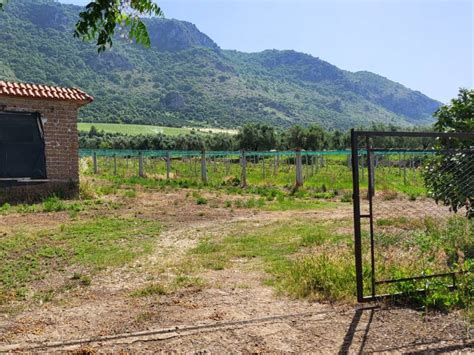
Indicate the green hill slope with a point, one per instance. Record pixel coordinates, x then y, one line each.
185 79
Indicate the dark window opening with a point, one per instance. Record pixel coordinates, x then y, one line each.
22 147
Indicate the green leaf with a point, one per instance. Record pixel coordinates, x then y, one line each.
100 19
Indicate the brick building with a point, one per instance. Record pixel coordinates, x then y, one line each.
38 141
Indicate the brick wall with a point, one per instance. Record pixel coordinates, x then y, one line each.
60 131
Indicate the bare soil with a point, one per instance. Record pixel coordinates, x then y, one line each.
232 312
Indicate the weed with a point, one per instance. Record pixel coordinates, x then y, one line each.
73 214
321 277
250 203
5 208
44 296
53 204
346 197
107 189
389 195
84 280
50 252
149 290
412 197
186 281
23 208
87 190
144 317
130 193
324 195
201 201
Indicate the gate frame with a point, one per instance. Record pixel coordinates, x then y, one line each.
355 135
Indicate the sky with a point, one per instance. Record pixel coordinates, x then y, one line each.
426 45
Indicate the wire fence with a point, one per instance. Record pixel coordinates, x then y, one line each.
323 170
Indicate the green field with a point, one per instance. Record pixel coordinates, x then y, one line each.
135 129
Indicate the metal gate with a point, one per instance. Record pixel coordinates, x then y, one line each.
395 202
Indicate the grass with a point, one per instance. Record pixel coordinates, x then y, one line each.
53 204
49 204
95 244
308 260
289 204
327 182
149 290
275 247
135 129
303 258
201 200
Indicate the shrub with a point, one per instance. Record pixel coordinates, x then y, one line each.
5 208
321 277
231 181
150 290
130 193
324 195
347 197
201 201
87 190
53 204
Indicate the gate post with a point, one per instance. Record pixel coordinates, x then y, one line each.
371 170
356 206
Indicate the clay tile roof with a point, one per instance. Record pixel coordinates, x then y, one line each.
37 91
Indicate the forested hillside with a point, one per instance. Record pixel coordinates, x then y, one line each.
186 79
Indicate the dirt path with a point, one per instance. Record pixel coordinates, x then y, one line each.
233 312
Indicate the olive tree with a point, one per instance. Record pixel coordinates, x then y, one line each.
449 176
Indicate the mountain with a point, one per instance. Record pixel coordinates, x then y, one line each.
186 79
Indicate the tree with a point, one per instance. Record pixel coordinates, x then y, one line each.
296 137
256 137
101 18
449 177
316 138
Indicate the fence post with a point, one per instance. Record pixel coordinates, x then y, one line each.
203 167
243 161
115 164
275 163
140 165
94 160
263 167
299 173
168 165
227 166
